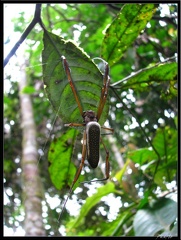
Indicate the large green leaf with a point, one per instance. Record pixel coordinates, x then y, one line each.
115 227
157 74
125 28
61 169
87 78
154 219
142 155
92 201
165 143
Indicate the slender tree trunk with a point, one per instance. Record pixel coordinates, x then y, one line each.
32 187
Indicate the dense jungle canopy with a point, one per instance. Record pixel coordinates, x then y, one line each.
41 155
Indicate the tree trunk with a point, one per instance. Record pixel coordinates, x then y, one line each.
32 186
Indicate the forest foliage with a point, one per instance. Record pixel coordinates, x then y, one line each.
139 42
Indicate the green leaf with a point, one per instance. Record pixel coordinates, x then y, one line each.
120 173
87 78
147 194
151 75
125 28
8 165
114 227
28 90
61 169
6 100
92 201
165 142
153 219
176 121
142 155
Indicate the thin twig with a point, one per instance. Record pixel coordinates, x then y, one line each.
142 129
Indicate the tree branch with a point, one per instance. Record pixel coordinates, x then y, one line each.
167 19
36 19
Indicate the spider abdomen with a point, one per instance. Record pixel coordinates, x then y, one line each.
93 131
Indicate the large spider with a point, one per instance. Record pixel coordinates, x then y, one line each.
92 129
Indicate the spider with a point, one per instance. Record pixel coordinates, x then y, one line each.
92 129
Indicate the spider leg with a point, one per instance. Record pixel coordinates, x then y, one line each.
72 85
104 92
109 129
107 167
77 173
82 161
74 124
